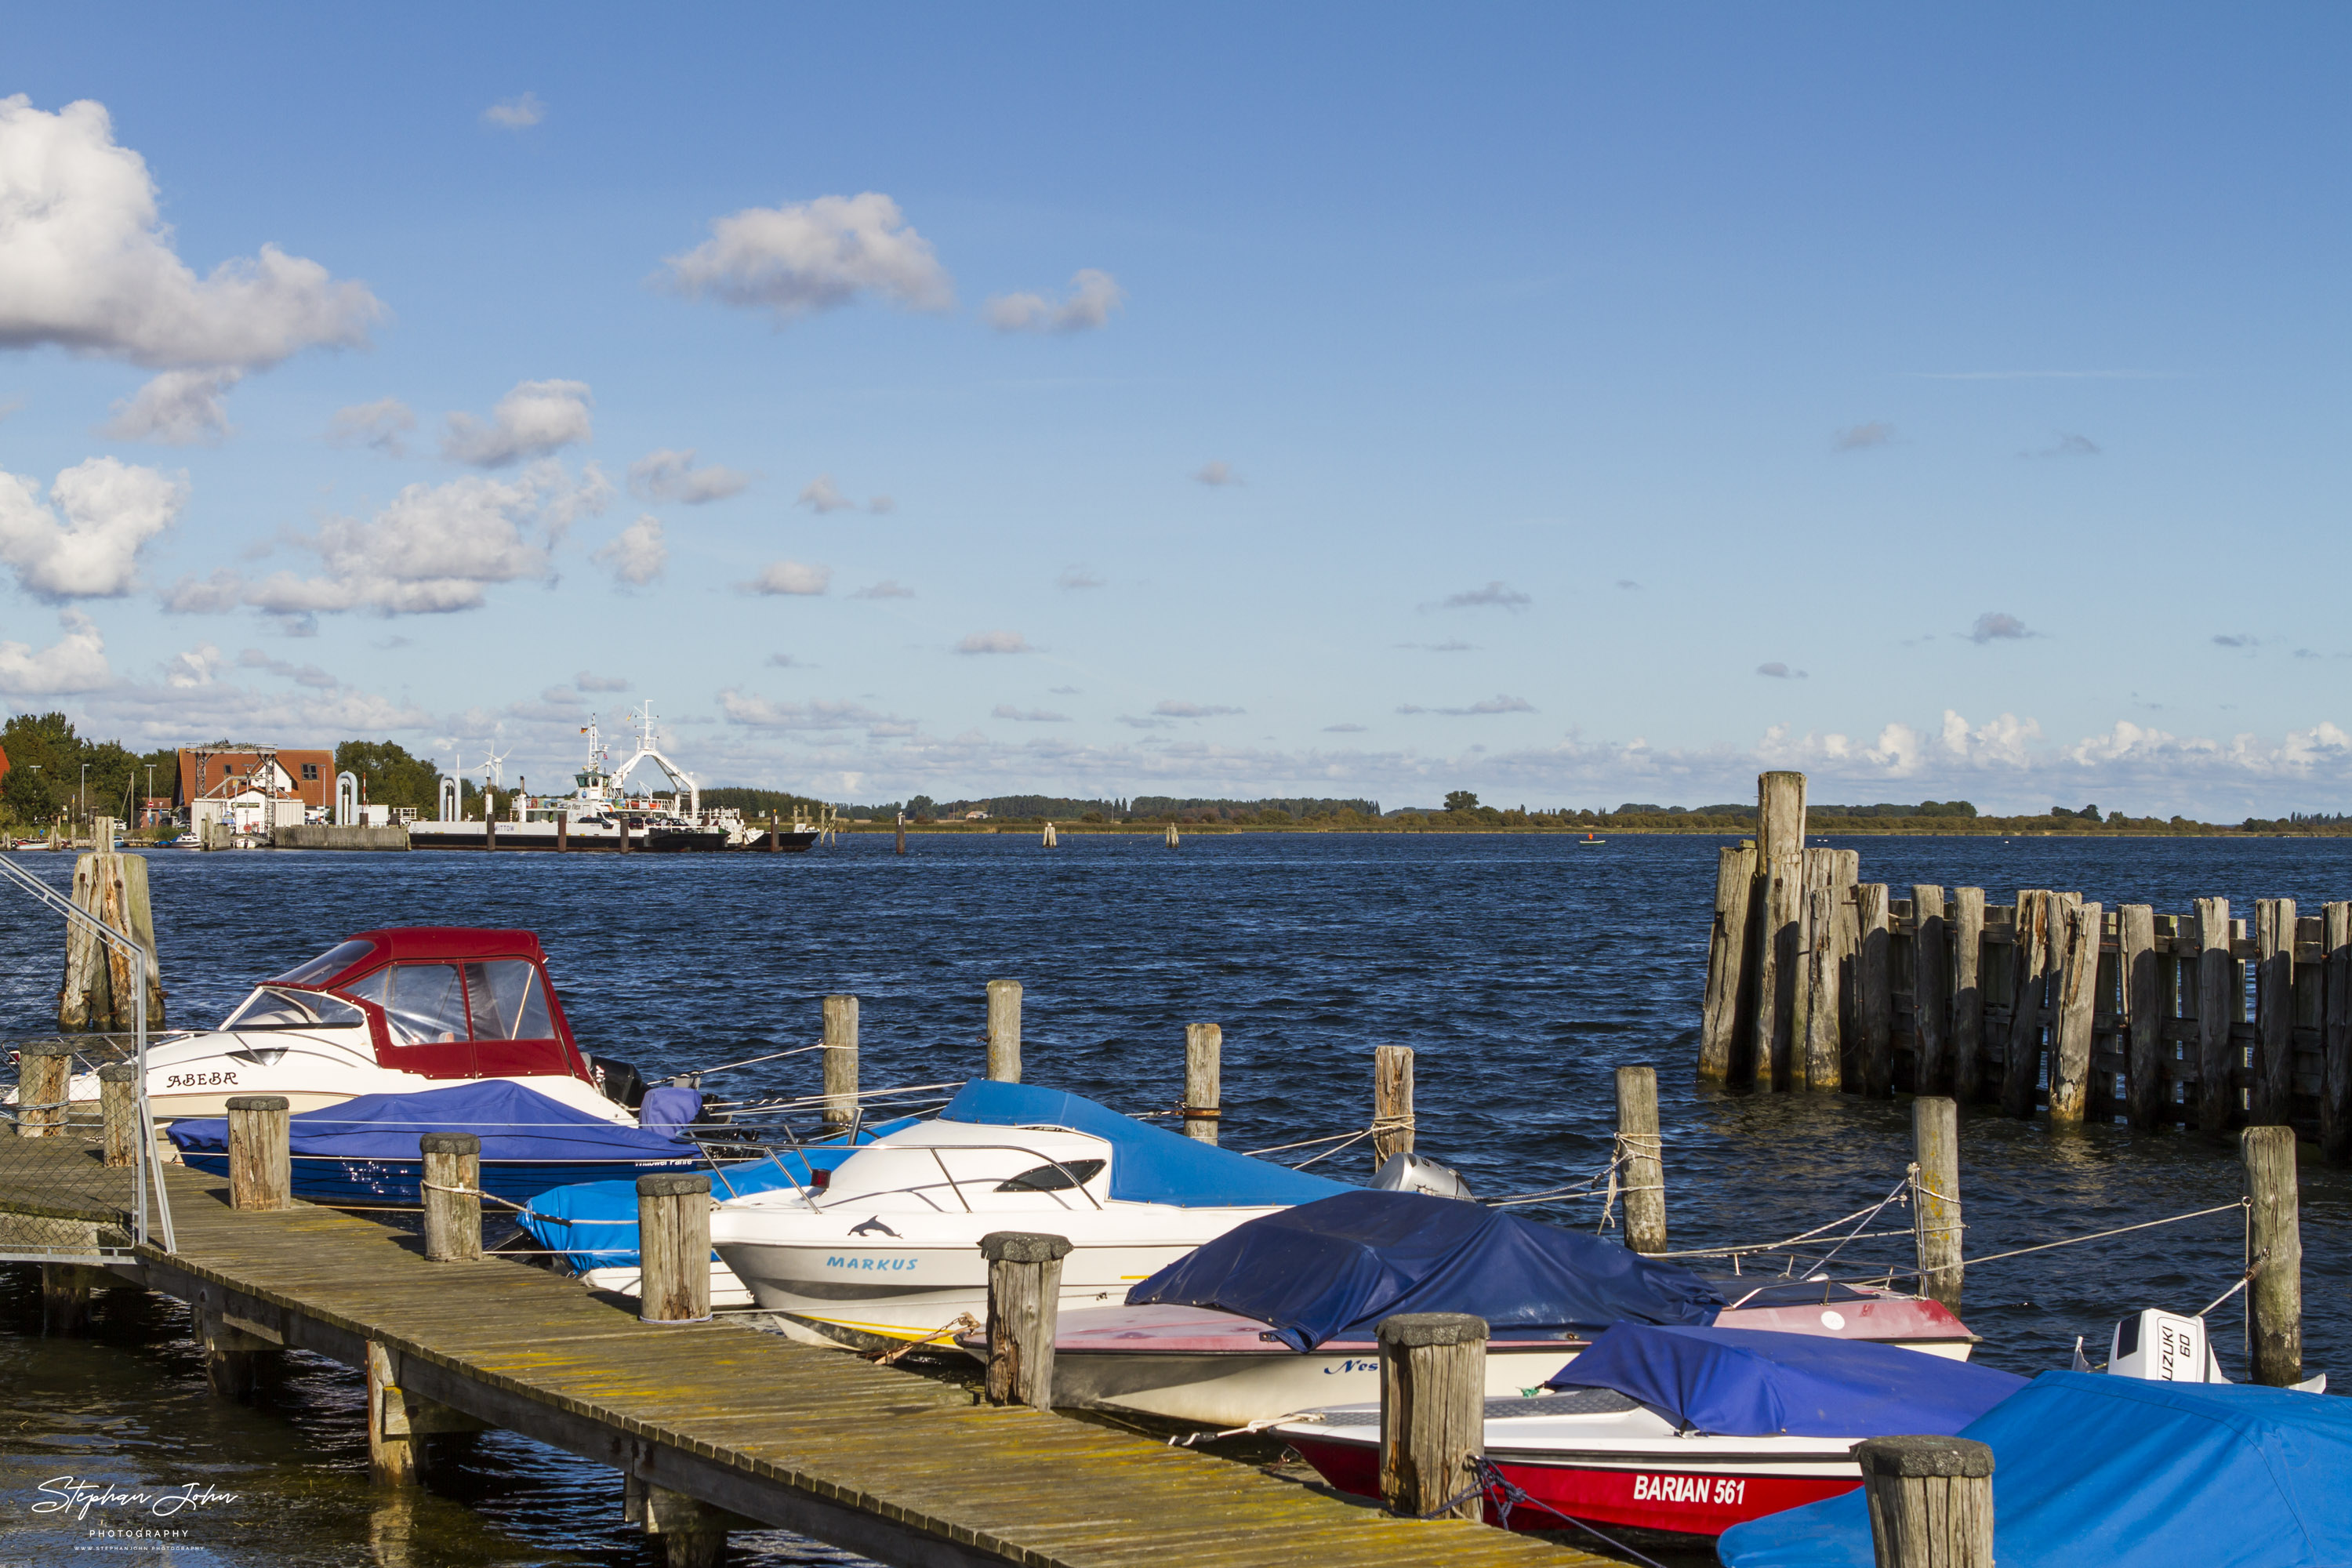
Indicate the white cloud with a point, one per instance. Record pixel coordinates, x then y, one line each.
536 418
383 425
670 475
994 642
1172 710
179 408
214 595
1494 595
587 682
804 257
1093 296
1343 729
1217 472
435 548
112 508
822 495
1451 645
881 504
742 708
75 662
197 667
516 113
637 553
1491 705
1994 626
888 588
309 675
1028 715
1862 437
791 577
90 268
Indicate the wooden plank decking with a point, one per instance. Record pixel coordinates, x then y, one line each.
899 1466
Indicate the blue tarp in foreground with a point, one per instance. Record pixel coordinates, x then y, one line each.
1754 1382
2090 1468
1149 1164
514 1123
1339 1266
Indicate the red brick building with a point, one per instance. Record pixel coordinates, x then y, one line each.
204 772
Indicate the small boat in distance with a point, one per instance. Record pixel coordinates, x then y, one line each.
1591 841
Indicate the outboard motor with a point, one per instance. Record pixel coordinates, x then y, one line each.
1406 1171
2163 1347
619 1080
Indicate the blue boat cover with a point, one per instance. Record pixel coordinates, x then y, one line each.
1337 1267
1149 1164
595 1223
1753 1382
670 1108
513 1122
2093 1468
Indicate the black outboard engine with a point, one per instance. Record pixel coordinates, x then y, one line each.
619 1080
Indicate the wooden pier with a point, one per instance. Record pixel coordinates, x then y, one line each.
716 1426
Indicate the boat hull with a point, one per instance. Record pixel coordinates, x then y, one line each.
347 1183
579 841
1227 1390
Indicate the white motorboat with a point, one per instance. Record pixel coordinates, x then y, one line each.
1684 1429
388 1012
888 1249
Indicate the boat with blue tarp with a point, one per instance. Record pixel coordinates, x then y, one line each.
1690 1429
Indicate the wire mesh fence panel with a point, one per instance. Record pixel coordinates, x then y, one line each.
60 1200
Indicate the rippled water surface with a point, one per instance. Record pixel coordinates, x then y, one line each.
1522 970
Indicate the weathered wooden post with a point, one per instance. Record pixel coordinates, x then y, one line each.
840 1061
621 841
2217 1054
674 1241
1936 1228
1004 1030
2144 1052
2273 1011
2077 930
2335 1037
489 822
1931 990
1781 876
1203 1086
118 1104
1641 1156
260 1163
229 1353
1968 990
1392 1102
1172 841
393 1461
98 993
1049 840
1819 1065
775 835
902 833
563 832
691 1533
453 1197
44 1073
1024 1300
1875 1001
1930 1501
2275 1252
2021 1068
65 1297
1727 1018
1432 1412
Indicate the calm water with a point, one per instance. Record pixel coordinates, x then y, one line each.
1522 970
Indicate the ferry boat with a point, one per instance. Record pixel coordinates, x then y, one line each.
604 813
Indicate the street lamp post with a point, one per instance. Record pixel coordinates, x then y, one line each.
85 792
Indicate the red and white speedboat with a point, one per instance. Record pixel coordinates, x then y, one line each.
1691 1430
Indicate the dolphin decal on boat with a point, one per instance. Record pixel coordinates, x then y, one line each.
870 1226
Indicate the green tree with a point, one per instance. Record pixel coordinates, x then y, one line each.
388 775
1461 800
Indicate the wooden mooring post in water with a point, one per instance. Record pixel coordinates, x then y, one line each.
2089 1010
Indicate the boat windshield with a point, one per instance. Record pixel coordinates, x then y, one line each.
272 1009
431 1003
328 964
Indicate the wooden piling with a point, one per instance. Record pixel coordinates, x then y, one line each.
118 1105
1968 992
562 832
489 822
1203 1086
2077 936
1004 1030
66 1290
2030 964
775 834
1931 992
1875 996
1432 1413
260 1163
97 994
1641 1156
2217 1054
902 833
1049 839
2275 1252
1024 1297
2142 1019
840 1058
1930 1501
690 1532
1779 971
229 1353
2274 1078
622 843
1172 842
44 1076
393 1461
1845 871
674 1241
2336 1038
1936 1228
1392 1102
1726 1020
1819 1066
452 1191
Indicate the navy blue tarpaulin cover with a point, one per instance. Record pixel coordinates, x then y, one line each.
513 1124
2090 1468
1337 1267
1753 1382
1149 1164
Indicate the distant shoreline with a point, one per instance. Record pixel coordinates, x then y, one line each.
1205 830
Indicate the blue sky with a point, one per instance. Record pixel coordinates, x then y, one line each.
1575 405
